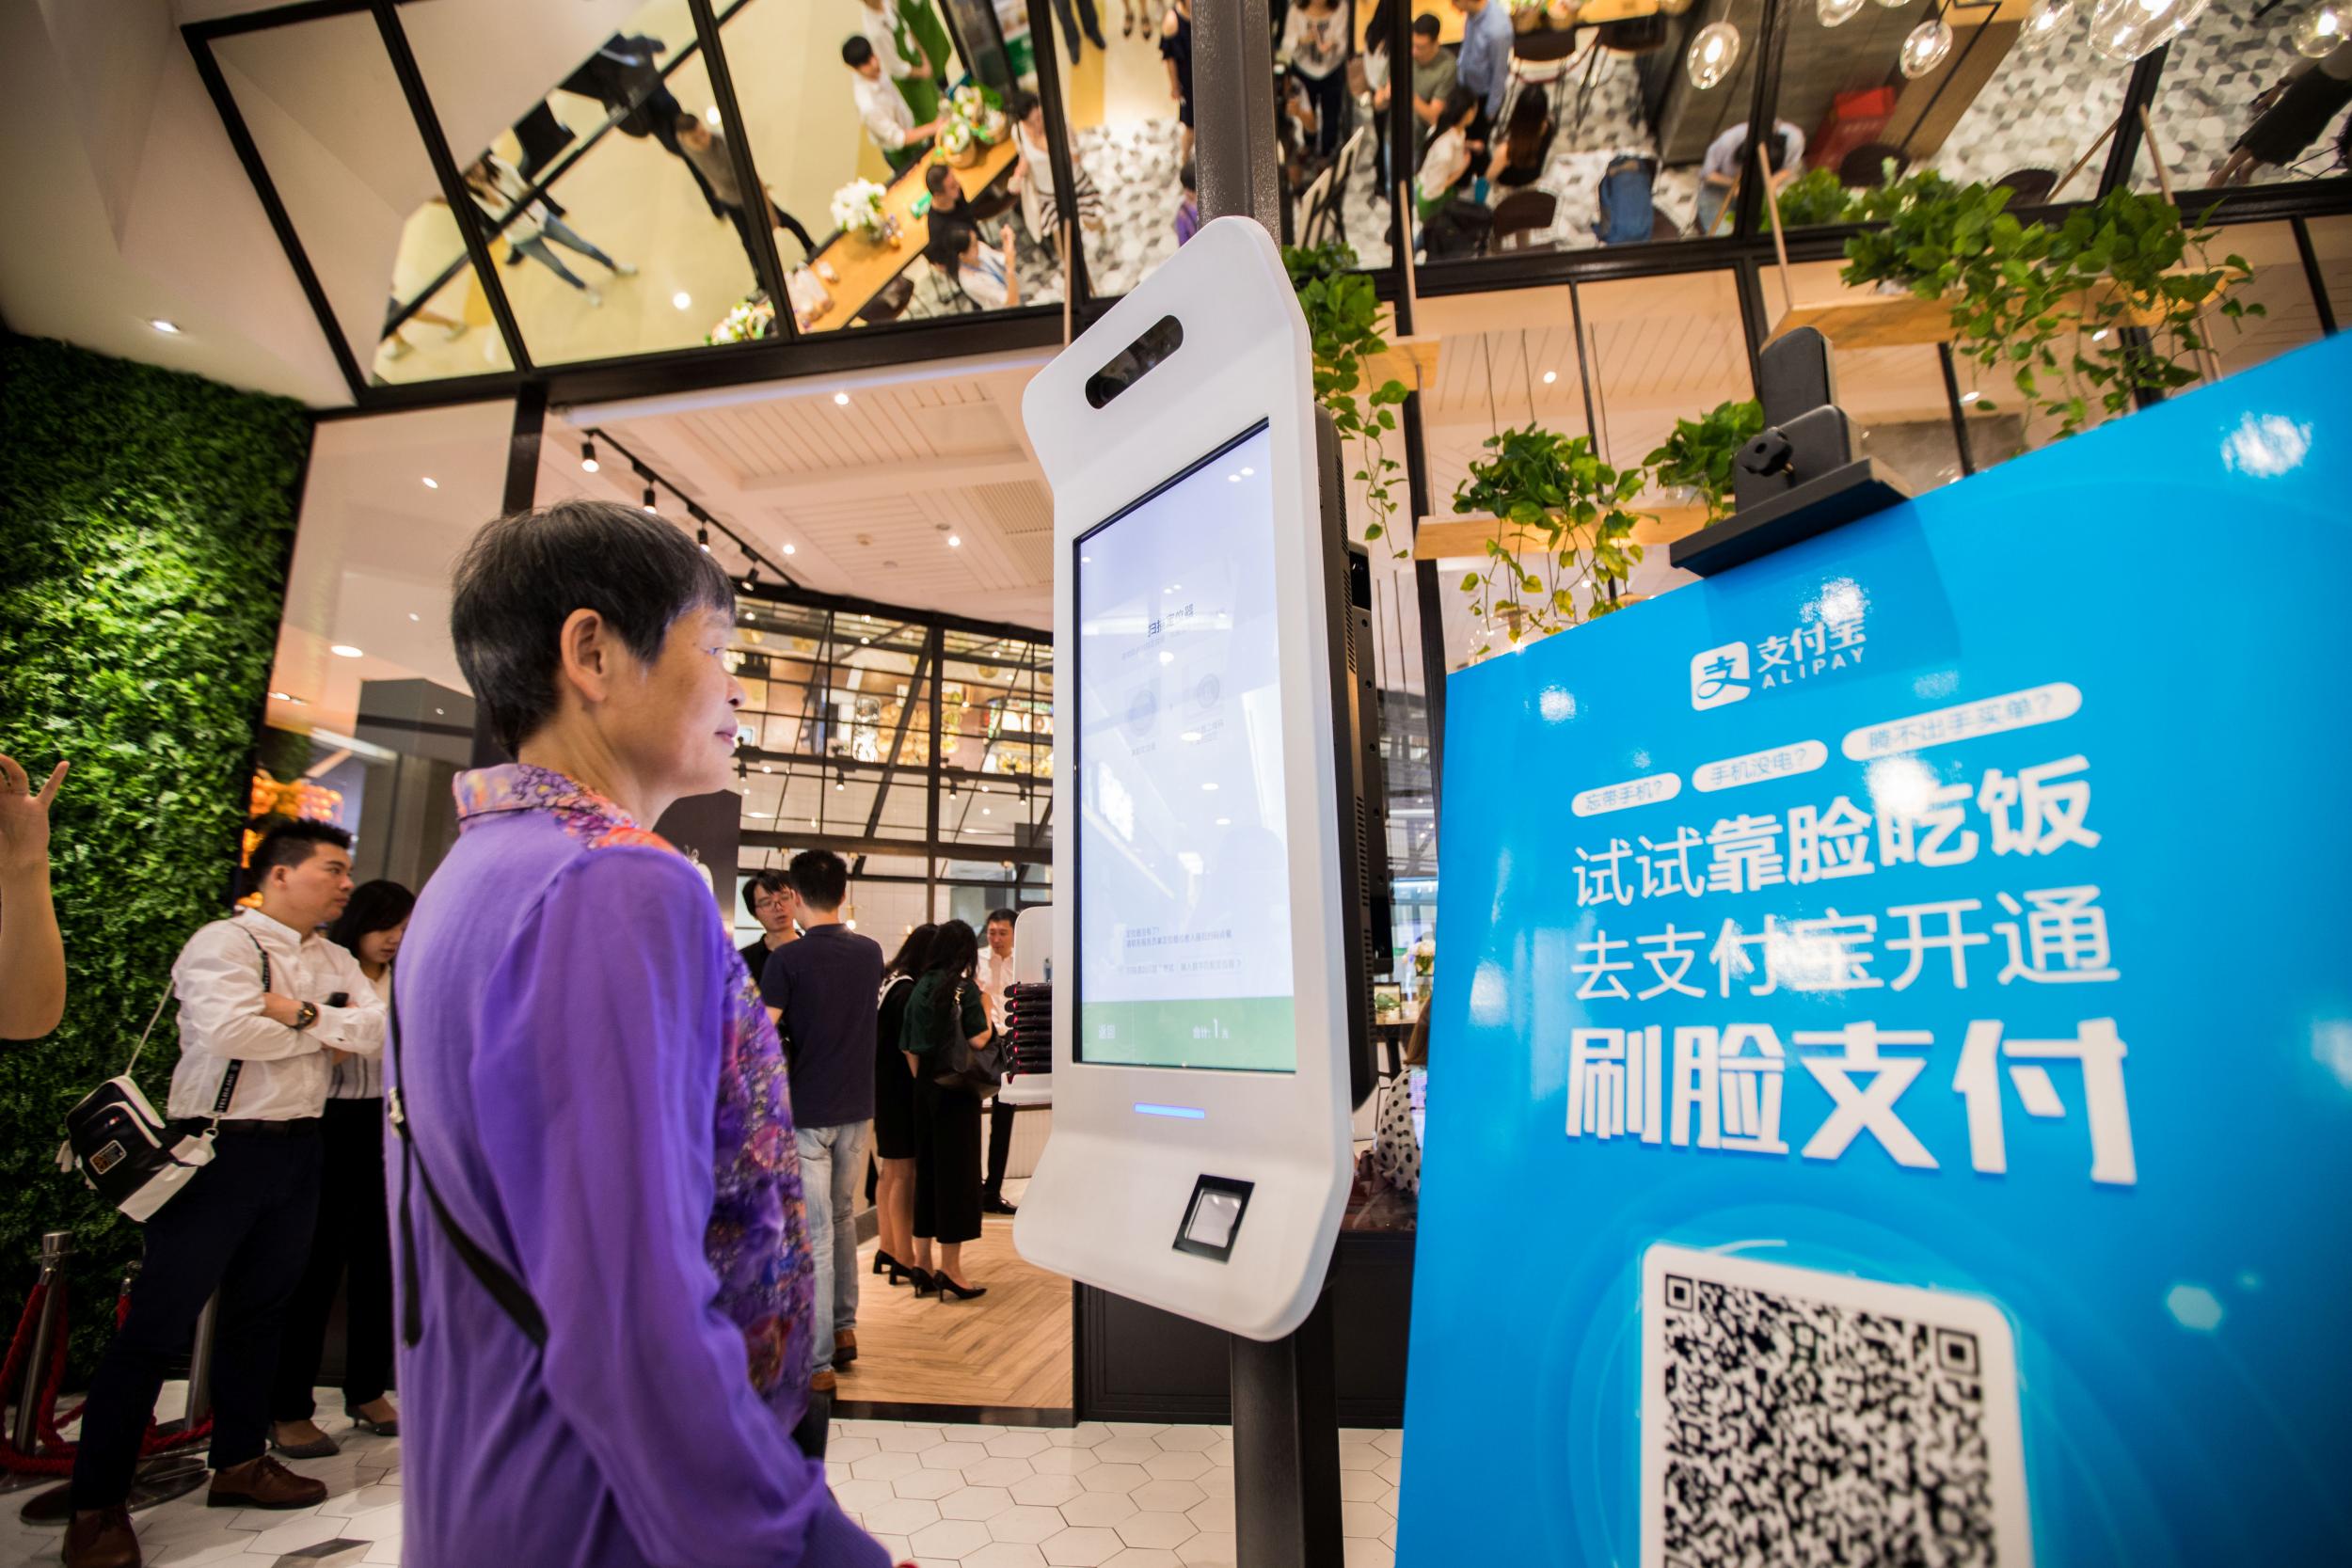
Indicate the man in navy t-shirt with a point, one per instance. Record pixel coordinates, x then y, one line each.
821 991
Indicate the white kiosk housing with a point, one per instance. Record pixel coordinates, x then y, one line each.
1199 1159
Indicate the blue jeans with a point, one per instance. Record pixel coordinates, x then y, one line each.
832 1164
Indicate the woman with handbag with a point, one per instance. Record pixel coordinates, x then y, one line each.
895 1150
943 1012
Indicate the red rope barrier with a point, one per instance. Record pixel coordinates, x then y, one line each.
51 1454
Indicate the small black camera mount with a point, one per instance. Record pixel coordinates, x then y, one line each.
1800 475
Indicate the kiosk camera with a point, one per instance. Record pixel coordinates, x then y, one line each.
1210 981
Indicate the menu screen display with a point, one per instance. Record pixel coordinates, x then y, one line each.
1183 914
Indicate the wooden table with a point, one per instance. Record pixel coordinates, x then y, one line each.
865 268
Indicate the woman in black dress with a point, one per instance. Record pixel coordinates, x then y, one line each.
893 1109
945 1005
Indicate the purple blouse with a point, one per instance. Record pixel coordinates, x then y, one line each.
572 1011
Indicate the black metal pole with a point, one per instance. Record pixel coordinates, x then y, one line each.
1064 162
1960 417
522 449
2314 278
1233 96
470 218
766 264
1286 1455
1762 109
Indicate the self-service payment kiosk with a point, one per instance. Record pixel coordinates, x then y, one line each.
1200 1155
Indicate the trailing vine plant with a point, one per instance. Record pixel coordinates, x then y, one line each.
1539 485
1342 311
2094 312
1698 456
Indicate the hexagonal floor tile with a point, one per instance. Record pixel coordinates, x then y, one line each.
1391 1470
949 1538
847 1448
1180 1466
909 1439
1082 1547
975 1502
997 1472
1084 1435
1062 1461
933 1484
1364 1521
1098 1508
1359 1456
1145 1557
1005 1554
1113 1478
1126 1450
1362 1486
1155 1530
1358 1553
1214 1516
1221 1452
885 1467
857 1496
952 1456
1186 1439
902 1515
1167 1496
1046 1491
1024 1522
1018 1445
1210 1549
1391 1442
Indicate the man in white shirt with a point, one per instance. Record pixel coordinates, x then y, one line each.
1727 163
883 107
993 974
265 1003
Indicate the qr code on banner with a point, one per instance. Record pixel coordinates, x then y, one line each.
1790 1415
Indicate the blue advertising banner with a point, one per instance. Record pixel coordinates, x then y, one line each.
1890 1099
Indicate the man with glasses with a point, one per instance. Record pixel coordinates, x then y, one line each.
769 895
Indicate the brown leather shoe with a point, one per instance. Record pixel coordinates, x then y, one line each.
102 1540
262 1484
844 1349
822 1382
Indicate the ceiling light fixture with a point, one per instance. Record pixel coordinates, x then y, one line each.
702 537
682 299
841 399
344 649
588 455
1551 376
751 579
649 506
712 115
431 484
414 616
791 549
1713 53
169 330
954 541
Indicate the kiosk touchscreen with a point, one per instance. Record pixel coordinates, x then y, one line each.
1200 1155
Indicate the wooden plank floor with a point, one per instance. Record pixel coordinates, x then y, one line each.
1011 1347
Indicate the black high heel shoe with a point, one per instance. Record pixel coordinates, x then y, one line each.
925 1281
962 1293
885 1263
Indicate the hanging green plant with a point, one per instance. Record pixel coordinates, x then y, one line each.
1342 311
1550 496
2106 307
1698 455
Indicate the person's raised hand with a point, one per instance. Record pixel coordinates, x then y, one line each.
25 817
1004 236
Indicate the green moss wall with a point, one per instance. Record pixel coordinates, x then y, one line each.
146 521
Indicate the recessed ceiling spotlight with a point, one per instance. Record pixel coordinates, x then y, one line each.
344 649
1551 376
169 330
431 484
711 114
414 616
279 697
954 541
682 299
1972 396
841 399
791 549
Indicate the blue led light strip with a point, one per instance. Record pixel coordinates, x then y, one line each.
1182 1113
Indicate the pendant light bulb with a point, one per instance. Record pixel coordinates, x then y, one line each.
2321 30
1712 54
2047 18
588 455
1833 12
2124 30
1925 49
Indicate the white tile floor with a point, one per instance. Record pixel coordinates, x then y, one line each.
1094 1495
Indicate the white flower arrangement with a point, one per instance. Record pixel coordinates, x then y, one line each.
750 320
858 205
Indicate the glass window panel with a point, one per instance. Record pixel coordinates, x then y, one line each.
335 133
2290 316
369 718
2331 243
2211 126
2004 104
630 249
812 124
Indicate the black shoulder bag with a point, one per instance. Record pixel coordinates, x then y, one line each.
509 1292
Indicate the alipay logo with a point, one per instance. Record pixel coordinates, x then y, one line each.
1718 676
